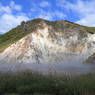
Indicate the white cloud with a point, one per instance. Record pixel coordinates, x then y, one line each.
5 9
10 8
88 20
48 15
45 4
8 20
45 15
39 13
59 14
84 9
14 6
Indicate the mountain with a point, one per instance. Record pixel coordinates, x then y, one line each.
40 40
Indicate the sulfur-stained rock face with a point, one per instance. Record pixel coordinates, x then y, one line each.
50 44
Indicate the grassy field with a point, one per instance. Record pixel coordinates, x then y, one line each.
35 83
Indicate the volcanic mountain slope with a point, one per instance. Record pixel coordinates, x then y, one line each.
49 42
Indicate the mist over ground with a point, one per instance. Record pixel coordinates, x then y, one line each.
67 68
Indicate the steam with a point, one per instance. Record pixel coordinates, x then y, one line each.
67 68
71 67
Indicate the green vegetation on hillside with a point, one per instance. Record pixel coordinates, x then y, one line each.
17 33
89 29
28 83
25 28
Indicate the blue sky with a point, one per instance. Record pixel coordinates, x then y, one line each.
12 12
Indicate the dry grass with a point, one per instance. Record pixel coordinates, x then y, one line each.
35 83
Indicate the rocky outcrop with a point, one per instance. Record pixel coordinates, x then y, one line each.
50 43
90 58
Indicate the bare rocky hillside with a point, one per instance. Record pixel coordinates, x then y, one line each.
50 42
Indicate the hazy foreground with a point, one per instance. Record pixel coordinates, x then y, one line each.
68 68
41 79
30 82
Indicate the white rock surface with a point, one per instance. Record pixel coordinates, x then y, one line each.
49 46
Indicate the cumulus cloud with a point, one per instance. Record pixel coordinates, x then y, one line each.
5 9
14 6
45 4
48 15
84 9
88 20
59 14
45 15
8 20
